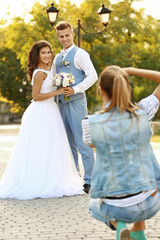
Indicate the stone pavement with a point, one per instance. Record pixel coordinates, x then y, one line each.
64 218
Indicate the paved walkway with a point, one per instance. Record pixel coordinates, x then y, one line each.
64 218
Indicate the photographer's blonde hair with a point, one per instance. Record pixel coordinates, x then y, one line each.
114 81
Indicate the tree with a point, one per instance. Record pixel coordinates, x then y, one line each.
130 39
13 78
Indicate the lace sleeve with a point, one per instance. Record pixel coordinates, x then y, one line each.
86 132
151 105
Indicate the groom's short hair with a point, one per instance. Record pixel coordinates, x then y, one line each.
63 25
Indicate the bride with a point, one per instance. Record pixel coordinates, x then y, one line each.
41 164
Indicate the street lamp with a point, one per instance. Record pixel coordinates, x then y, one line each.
103 14
52 14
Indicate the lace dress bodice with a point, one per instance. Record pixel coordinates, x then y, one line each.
47 85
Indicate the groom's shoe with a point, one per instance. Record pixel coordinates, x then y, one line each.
86 187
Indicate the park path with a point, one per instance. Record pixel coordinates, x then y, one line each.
64 218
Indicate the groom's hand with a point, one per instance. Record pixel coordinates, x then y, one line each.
69 91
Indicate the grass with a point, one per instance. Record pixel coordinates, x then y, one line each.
155 138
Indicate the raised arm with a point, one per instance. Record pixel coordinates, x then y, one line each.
150 74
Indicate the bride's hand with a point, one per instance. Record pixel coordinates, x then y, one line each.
62 90
69 91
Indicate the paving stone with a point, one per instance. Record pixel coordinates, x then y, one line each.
64 218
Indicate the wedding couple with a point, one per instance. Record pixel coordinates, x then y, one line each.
44 163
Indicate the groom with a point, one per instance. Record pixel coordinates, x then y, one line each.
77 61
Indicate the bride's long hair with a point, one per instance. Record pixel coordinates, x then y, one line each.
33 56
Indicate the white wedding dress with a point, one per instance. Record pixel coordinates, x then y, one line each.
41 164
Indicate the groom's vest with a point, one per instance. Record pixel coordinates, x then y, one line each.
77 73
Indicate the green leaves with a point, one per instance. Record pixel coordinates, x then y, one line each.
12 79
130 39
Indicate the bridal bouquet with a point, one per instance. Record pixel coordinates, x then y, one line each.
63 80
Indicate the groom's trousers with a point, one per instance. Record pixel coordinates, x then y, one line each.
72 113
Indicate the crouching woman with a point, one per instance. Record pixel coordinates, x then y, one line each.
126 176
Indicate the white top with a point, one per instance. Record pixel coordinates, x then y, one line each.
126 202
83 62
150 104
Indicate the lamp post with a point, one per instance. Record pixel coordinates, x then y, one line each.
103 14
52 14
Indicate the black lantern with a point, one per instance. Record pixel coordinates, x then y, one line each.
104 15
52 14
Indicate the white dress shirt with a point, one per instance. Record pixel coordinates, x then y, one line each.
83 62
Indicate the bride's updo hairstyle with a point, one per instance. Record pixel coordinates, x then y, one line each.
115 82
33 56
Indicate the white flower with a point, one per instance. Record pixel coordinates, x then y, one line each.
65 63
56 80
63 79
71 78
65 82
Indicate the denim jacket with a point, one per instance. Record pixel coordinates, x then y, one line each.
125 162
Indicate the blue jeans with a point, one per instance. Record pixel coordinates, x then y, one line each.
135 213
72 113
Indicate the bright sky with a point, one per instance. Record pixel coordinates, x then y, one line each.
21 7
